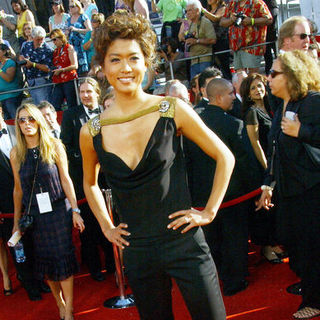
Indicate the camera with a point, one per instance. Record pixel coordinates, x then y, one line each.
21 63
240 16
163 47
189 36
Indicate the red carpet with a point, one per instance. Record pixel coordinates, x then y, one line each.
265 298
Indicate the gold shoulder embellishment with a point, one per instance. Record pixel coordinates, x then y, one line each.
94 126
167 107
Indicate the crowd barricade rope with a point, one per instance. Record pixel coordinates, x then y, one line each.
226 204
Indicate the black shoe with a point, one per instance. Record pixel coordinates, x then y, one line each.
98 276
295 289
43 287
235 288
34 294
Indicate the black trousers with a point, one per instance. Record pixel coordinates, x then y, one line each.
227 237
299 218
187 259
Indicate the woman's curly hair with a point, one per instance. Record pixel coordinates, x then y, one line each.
302 73
125 25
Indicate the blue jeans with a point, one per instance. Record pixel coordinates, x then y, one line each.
39 94
64 90
198 68
10 106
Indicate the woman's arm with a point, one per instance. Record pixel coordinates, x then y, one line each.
181 32
214 17
191 126
9 74
93 193
66 183
17 191
87 41
141 7
87 28
30 18
253 134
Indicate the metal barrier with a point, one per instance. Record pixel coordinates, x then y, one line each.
170 64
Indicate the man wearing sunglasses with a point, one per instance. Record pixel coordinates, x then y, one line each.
294 34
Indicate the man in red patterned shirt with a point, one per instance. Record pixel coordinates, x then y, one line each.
247 21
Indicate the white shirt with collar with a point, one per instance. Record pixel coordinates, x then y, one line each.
5 142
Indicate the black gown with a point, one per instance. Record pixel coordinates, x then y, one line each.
144 198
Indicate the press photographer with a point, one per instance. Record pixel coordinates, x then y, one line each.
169 52
203 38
247 21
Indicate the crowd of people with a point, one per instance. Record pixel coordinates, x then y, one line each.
215 134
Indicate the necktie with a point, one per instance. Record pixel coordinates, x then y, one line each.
3 131
96 111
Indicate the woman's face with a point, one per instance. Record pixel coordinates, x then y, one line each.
88 96
57 41
27 30
2 53
73 8
277 80
257 90
16 7
56 8
28 125
124 65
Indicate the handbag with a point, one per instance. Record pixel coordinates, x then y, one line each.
26 221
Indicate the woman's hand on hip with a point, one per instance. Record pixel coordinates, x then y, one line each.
115 235
192 218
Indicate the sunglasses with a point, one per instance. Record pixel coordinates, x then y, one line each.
274 73
95 21
303 36
29 119
72 6
54 39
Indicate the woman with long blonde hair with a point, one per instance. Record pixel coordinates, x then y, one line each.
42 183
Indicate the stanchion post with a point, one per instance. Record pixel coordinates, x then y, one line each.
123 300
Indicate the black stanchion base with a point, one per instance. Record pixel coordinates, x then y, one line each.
120 303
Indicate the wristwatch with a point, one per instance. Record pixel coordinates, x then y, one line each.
76 210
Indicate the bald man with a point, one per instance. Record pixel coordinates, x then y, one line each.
227 235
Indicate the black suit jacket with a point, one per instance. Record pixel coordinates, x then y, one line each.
72 121
236 109
6 177
295 166
201 167
201 105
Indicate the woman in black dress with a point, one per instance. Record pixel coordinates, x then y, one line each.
294 165
257 119
40 169
137 142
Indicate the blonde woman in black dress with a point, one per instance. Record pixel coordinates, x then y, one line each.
39 162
